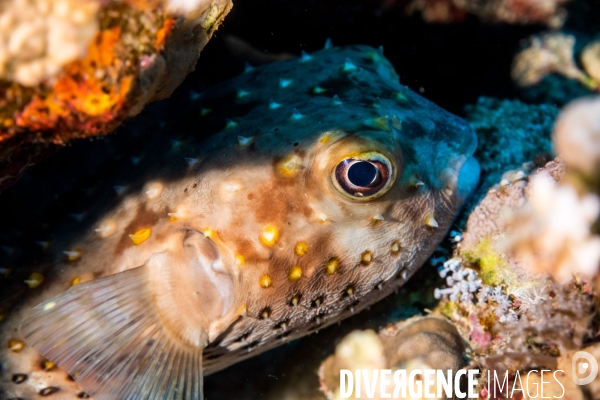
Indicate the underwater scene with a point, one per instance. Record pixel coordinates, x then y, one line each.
299 200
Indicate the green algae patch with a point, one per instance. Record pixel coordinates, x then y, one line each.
493 268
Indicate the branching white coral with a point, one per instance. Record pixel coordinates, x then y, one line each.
551 233
462 282
529 298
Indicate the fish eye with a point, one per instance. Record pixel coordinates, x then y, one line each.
363 176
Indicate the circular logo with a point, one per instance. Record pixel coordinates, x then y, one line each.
584 363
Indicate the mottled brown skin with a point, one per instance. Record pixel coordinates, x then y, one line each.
222 203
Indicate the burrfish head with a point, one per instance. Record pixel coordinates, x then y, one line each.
325 186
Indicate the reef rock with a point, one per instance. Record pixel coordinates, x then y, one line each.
549 12
417 343
73 69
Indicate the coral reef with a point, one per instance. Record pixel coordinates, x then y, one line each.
549 12
531 251
553 53
417 343
522 282
75 69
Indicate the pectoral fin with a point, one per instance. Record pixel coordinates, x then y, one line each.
138 334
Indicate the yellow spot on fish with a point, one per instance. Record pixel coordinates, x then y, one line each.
47 365
209 233
3 314
349 290
326 137
377 219
243 310
140 236
379 123
289 166
240 261
430 221
295 273
73 255
395 247
154 190
301 248
106 229
332 266
15 345
265 314
265 281
75 281
49 306
318 90
269 235
366 257
35 280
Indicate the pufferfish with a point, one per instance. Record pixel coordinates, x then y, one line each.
323 186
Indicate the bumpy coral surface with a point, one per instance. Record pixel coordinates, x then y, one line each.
550 12
73 69
553 53
417 343
500 290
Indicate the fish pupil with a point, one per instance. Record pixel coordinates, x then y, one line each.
362 174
